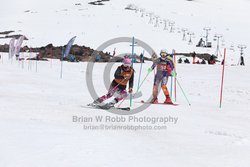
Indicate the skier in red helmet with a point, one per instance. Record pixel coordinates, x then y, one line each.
124 74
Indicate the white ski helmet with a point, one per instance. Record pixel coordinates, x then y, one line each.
163 51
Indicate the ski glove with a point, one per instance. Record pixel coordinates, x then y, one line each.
164 73
127 76
150 70
173 73
130 90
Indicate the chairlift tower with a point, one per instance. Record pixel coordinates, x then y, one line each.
150 18
184 30
165 24
190 37
156 21
171 24
232 47
241 60
142 12
207 29
217 38
242 47
136 9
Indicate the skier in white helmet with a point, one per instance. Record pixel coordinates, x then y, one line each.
165 68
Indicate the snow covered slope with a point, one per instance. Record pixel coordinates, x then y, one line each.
37 109
37 127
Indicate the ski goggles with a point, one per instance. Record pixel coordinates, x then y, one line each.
126 65
164 54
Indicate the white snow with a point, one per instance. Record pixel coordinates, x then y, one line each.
37 107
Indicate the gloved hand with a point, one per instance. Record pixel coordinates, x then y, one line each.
130 90
126 76
173 73
164 73
150 70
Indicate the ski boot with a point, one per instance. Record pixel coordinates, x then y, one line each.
112 103
168 100
95 102
154 100
109 105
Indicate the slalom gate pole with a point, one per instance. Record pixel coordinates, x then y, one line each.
29 58
22 58
140 71
36 65
51 52
61 64
183 92
222 80
133 59
36 62
175 78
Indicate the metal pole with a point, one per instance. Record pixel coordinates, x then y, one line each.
222 80
133 59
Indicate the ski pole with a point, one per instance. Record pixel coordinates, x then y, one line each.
133 59
171 87
140 71
142 82
116 86
122 101
183 91
175 78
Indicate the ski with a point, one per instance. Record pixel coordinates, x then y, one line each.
122 108
173 104
105 107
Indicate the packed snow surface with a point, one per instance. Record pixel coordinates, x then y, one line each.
39 110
